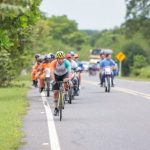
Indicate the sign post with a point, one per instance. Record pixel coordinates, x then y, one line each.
120 56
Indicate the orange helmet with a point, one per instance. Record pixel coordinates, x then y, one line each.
76 56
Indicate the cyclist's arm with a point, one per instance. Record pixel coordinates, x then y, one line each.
68 67
53 66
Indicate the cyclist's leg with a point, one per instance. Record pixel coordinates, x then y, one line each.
33 77
42 78
55 91
102 78
112 79
66 84
55 97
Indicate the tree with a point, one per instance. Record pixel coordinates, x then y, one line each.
131 50
139 61
60 26
76 39
137 9
16 20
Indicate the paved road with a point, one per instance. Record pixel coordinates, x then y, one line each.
119 120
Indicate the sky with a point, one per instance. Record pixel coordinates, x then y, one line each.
89 14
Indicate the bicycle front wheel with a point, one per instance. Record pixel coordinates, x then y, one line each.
60 104
60 114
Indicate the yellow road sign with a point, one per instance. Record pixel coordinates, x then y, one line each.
120 56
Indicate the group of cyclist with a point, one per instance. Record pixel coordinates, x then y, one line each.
59 68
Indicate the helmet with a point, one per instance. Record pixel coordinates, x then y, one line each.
68 55
40 59
37 55
76 56
60 55
102 52
52 56
46 57
108 51
72 53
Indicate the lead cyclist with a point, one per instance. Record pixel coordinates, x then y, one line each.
61 70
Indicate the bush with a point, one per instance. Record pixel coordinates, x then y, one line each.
145 72
6 72
131 50
135 72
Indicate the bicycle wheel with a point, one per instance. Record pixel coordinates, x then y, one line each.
60 114
70 96
48 92
108 84
48 87
60 105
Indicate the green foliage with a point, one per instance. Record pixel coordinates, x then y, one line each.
61 26
137 8
139 61
131 50
76 39
12 107
16 20
6 72
5 42
145 72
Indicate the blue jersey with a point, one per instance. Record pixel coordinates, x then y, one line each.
79 64
107 63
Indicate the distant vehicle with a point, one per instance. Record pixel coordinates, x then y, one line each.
85 65
95 54
92 69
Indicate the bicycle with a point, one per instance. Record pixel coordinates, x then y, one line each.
60 104
68 96
75 84
47 81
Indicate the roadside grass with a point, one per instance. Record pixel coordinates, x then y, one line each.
13 106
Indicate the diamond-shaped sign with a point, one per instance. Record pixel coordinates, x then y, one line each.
120 56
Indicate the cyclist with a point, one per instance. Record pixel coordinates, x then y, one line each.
61 70
34 68
102 57
72 53
45 69
80 68
74 65
107 62
75 78
51 56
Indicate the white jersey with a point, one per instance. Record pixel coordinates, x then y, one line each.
74 65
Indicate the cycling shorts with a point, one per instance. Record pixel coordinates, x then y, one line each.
59 78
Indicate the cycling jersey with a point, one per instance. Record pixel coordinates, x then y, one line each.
106 63
74 65
61 69
80 65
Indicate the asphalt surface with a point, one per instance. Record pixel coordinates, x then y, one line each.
119 120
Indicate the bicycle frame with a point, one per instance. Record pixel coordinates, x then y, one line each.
60 104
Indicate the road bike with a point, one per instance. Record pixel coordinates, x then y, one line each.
61 92
47 81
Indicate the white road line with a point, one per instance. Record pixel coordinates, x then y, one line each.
147 96
54 142
133 92
125 91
